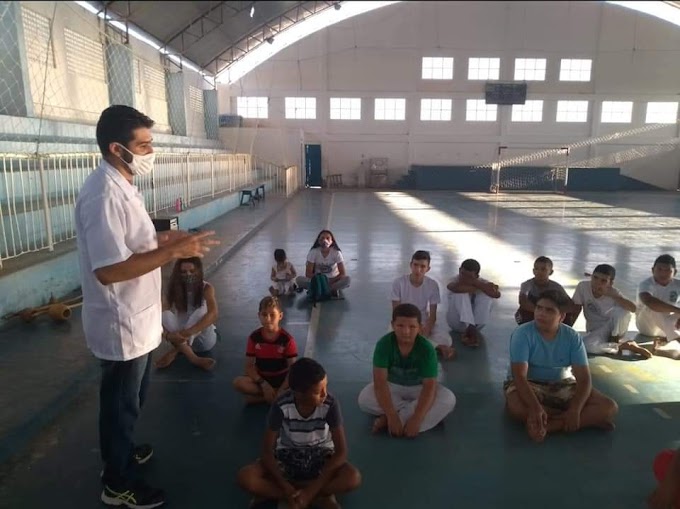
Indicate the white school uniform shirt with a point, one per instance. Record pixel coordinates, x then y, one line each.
420 296
598 311
122 321
669 293
327 265
281 274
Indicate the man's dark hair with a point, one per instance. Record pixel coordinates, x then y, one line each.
606 270
471 265
554 297
544 259
117 124
665 259
407 311
421 255
304 374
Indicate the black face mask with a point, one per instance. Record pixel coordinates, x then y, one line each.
190 279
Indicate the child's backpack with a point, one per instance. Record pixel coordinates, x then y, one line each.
319 288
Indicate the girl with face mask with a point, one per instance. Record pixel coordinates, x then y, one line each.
189 315
326 258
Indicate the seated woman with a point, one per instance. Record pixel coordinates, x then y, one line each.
326 258
189 315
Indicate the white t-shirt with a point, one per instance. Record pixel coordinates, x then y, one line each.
420 296
286 271
669 293
597 311
121 321
327 265
530 290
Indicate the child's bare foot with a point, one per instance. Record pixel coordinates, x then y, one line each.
633 347
167 359
205 363
273 291
470 339
379 424
447 352
607 426
327 502
254 400
535 433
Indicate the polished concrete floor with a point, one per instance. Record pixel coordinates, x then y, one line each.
203 433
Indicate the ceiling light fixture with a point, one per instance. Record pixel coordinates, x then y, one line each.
252 10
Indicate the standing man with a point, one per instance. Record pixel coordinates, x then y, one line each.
120 259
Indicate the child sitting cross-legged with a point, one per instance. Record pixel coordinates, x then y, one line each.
304 452
270 352
405 395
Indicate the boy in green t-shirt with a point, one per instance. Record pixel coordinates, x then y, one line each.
405 394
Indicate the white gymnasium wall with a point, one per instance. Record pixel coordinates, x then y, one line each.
379 55
79 93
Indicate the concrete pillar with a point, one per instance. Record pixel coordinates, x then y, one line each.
15 90
211 114
177 115
120 73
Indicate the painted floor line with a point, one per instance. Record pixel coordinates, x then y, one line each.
661 413
316 310
605 368
631 388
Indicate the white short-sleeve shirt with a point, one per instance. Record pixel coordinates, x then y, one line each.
598 311
420 296
669 293
286 271
122 321
325 265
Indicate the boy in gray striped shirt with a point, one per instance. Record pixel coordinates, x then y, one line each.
304 452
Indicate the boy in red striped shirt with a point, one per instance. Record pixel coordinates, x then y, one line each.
270 352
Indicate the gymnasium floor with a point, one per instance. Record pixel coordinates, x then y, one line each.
202 433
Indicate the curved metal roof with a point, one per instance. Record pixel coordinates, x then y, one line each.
212 34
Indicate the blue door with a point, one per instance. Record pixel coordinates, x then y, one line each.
313 165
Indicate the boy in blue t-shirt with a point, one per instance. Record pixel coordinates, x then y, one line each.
550 387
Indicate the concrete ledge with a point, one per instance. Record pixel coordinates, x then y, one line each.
58 276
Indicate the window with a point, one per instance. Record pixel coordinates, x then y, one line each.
484 68
345 108
37 37
530 69
84 56
435 109
252 107
572 111
390 109
436 68
301 107
572 69
196 99
154 82
617 112
661 113
478 111
530 111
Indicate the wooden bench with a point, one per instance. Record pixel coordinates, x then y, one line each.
254 194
